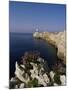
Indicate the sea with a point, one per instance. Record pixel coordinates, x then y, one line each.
19 43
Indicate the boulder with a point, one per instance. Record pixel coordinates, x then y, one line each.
63 80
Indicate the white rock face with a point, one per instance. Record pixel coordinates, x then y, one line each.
63 80
46 79
19 74
52 75
35 73
61 45
41 80
40 59
22 66
12 79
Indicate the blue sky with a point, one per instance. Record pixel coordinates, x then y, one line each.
26 17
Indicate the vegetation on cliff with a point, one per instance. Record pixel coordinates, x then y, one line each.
33 71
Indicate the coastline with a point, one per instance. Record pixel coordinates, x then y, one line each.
33 70
57 39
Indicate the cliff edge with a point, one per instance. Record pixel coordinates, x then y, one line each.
57 39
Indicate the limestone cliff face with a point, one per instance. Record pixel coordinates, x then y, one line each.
58 40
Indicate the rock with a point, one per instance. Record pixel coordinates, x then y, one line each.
19 74
52 75
63 80
59 39
41 80
22 66
55 84
44 64
36 73
13 79
61 45
21 85
40 59
46 79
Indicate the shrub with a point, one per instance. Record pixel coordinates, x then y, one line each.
57 78
33 83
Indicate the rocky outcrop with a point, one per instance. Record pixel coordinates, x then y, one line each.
19 74
58 40
36 34
33 71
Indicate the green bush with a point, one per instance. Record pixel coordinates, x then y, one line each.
57 78
33 83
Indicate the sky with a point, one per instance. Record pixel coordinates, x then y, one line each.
25 17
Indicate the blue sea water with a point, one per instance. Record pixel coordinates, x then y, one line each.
22 42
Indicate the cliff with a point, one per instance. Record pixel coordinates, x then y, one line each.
58 40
